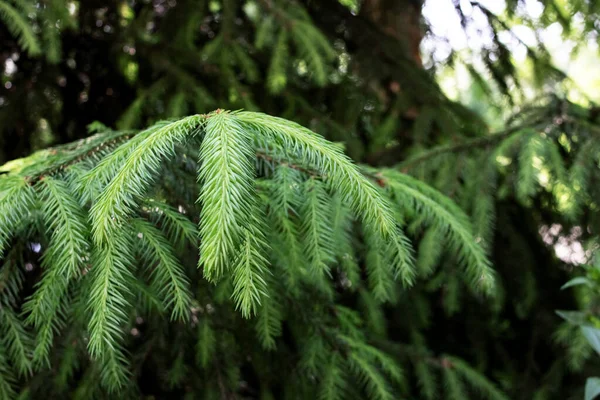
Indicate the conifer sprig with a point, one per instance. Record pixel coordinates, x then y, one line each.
142 162
20 28
316 228
16 341
285 212
342 224
447 217
249 283
63 260
107 300
7 379
16 201
269 321
66 221
339 171
169 280
334 382
227 195
379 275
477 381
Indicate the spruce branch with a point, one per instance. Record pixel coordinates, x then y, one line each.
263 226
8 381
250 268
466 145
333 384
376 386
474 378
343 176
443 213
16 201
61 157
316 228
21 28
108 291
11 277
379 275
227 195
269 321
342 225
140 165
16 340
169 280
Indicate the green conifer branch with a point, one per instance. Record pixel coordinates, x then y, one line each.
16 201
316 228
375 384
227 195
108 292
344 177
20 28
138 170
333 384
169 280
269 322
16 340
250 268
205 344
475 379
445 215
174 223
7 379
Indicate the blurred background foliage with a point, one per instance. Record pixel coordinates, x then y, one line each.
492 102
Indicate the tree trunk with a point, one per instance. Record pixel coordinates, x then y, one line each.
400 20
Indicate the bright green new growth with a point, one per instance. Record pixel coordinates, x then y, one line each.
107 299
228 195
64 261
275 218
142 163
313 150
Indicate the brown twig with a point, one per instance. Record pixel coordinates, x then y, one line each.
61 166
267 157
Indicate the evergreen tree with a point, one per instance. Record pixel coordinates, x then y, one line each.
349 232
